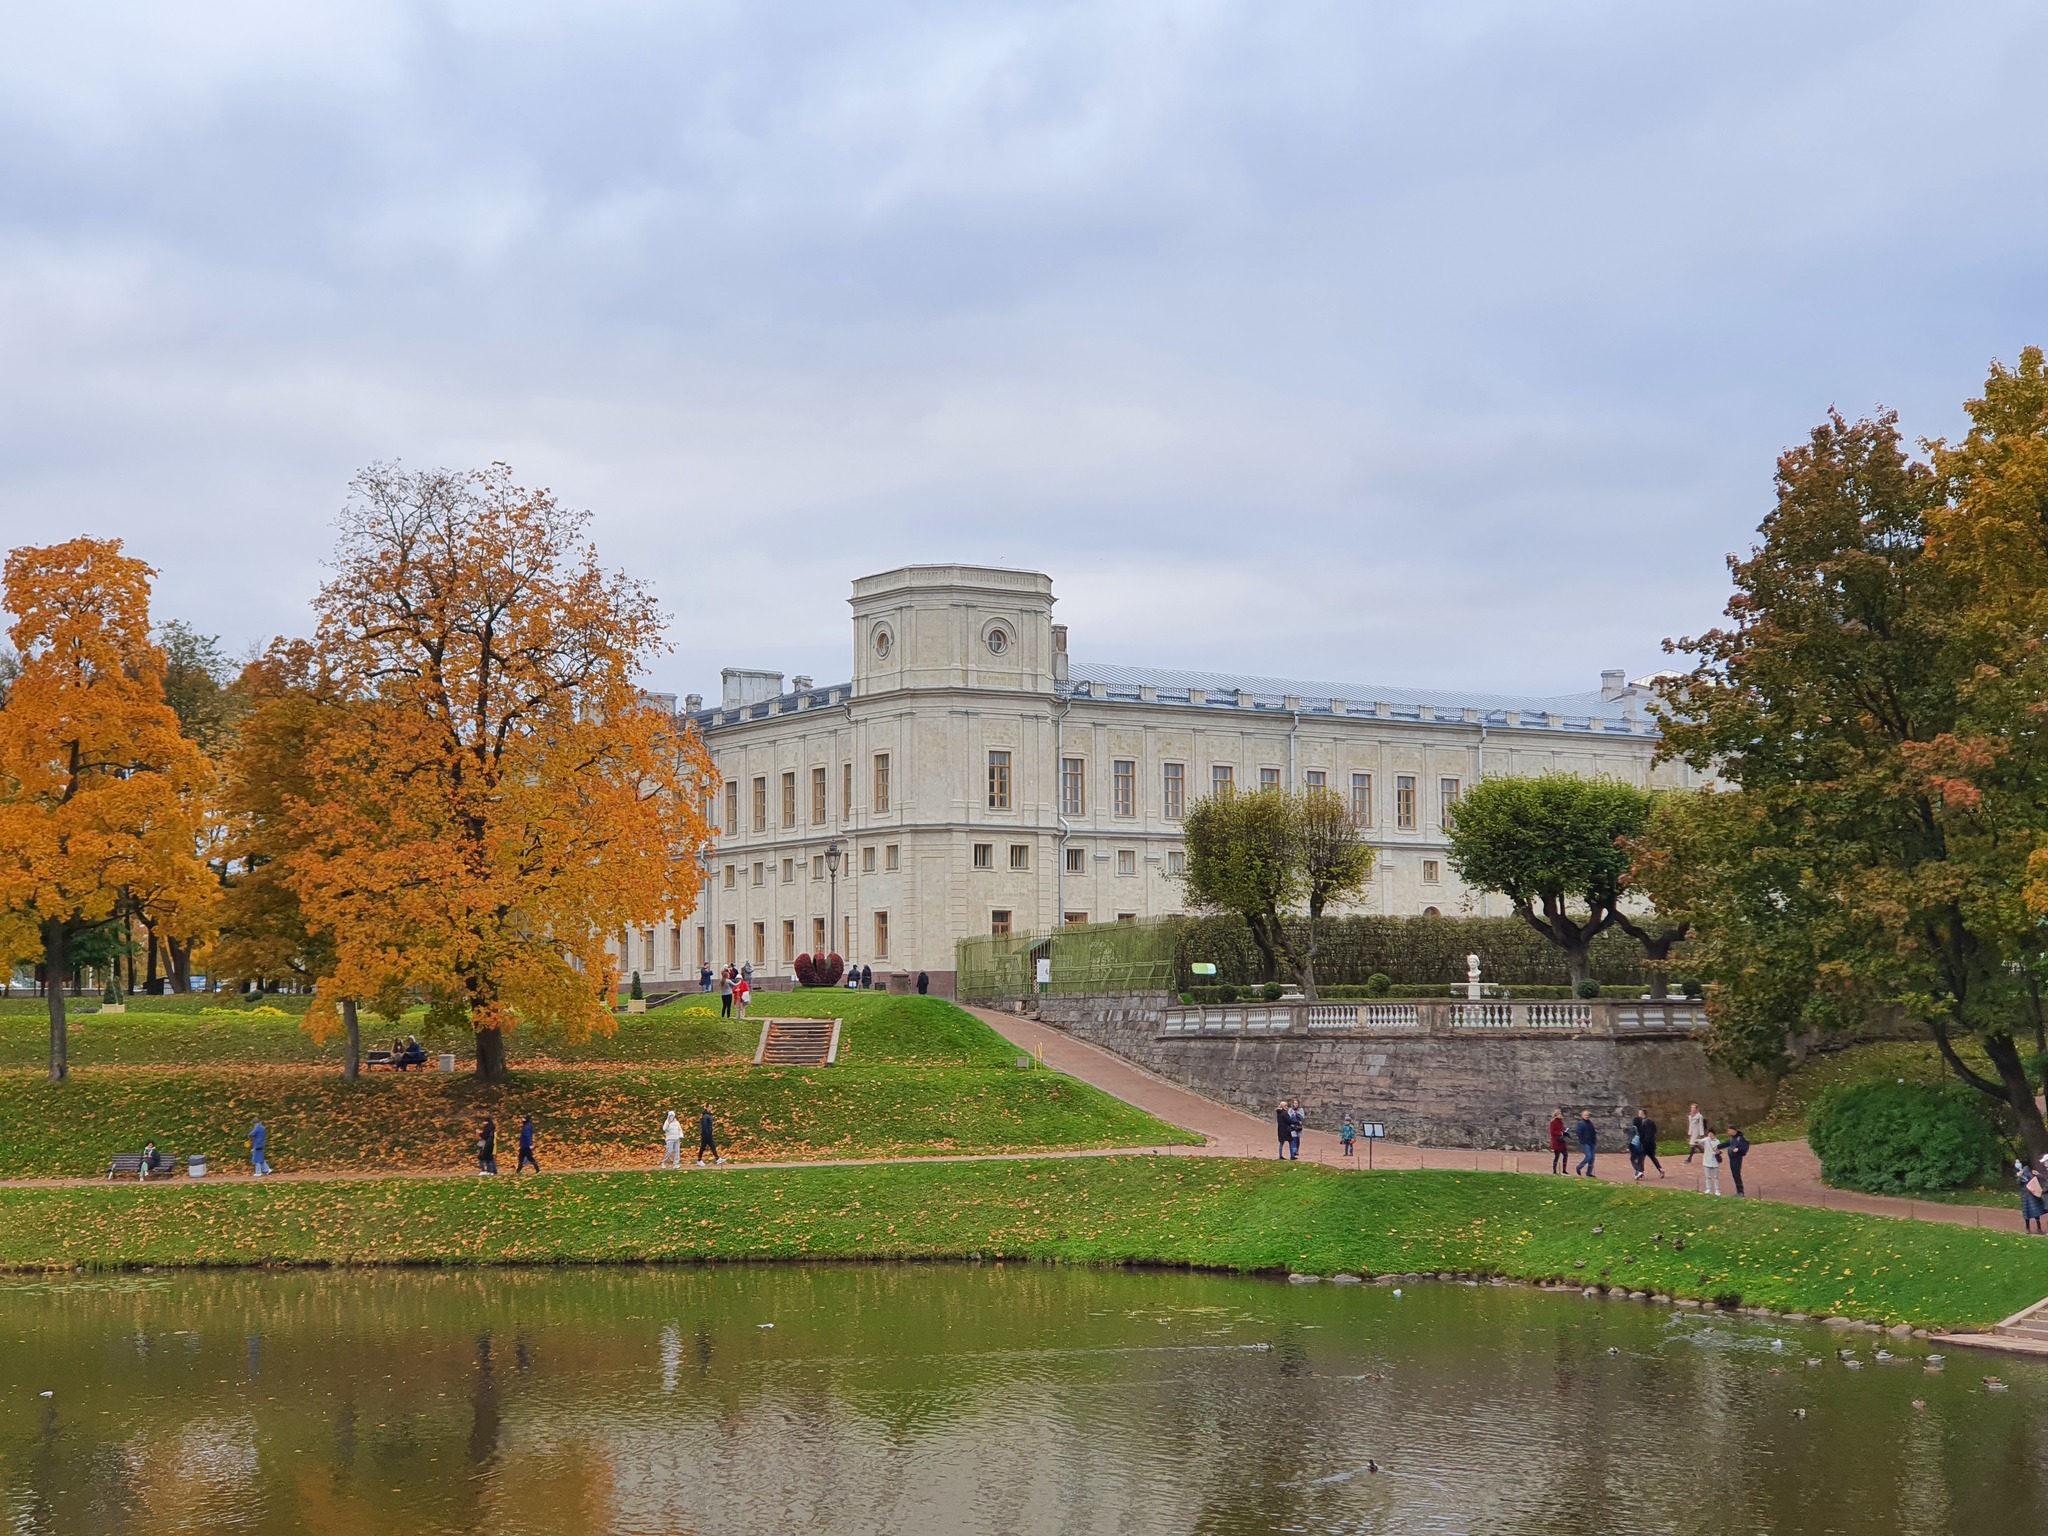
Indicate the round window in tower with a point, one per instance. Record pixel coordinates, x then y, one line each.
998 640
884 641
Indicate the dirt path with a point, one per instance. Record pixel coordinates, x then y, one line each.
1775 1170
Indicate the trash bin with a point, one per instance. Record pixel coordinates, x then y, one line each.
195 1167
447 1061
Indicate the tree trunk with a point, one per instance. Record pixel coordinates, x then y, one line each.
152 980
490 1055
53 961
181 966
1578 959
352 1061
2019 1093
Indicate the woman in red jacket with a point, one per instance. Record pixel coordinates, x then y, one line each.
1559 1149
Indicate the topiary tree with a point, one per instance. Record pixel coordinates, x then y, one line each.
634 992
1890 1138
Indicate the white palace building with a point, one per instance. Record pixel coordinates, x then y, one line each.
970 779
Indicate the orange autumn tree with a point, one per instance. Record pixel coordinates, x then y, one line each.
488 796
102 799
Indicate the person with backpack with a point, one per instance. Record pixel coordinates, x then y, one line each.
1347 1133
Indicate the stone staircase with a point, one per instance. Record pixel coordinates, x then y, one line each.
2024 1333
797 1043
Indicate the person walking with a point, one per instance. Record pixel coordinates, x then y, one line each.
1735 1149
526 1157
1283 1122
742 992
259 1146
1646 1128
1589 1142
704 978
1695 1129
725 992
2032 1204
924 983
1295 1120
1347 1133
867 978
487 1148
672 1142
1710 1163
707 1139
1560 1149
1635 1148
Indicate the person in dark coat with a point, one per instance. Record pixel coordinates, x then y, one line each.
487 1147
1296 1119
526 1157
867 977
1283 1121
924 983
1735 1149
707 1138
2032 1201
1646 1132
1589 1142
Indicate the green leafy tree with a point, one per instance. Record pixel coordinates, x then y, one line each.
1878 698
1553 846
1275 858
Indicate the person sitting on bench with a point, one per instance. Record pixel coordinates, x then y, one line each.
412 1054
153 1160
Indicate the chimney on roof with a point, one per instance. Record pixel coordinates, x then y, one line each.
693 702
1613 684
745 686
1059 653
800 683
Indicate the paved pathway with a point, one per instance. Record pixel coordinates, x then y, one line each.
1775 1170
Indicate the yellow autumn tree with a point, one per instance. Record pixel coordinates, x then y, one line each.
102 799
487 796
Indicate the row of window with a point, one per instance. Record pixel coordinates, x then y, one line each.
889 857
1123 792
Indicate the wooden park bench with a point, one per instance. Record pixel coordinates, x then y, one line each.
378 1059
131 1162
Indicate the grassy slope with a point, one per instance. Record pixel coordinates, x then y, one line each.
1223 1213
917 1076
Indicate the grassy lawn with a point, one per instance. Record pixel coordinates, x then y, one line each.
1184 1211
879 1028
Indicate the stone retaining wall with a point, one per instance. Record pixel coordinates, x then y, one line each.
1480 1090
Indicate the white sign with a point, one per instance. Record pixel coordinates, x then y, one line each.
1203 968
1372 1130
1045 973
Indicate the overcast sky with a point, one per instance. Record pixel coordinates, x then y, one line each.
1435 343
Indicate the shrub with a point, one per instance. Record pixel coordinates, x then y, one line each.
1589 988
1271 991
818 970
636 994
1378 984
1891 1138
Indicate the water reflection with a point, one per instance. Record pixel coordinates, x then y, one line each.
990 1400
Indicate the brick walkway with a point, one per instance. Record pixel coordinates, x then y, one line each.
1774 1170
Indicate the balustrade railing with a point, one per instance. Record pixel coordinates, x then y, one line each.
1493 1016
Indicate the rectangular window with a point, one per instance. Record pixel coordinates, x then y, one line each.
789 871
789 800
1404 800
1176 861
1432 871
881 782
892 857
731 876
647 950
675 948
1073 786
846 927
1173 790
817 935
1222 779
732 808
999 922
1127 917
817 797
1315 781
984 855
760 874
1020 855
1269 778
703 948
999 781
788 940
732 945
1361 799
1123 779
817 866
760 805
881 935
867 860
1447 803
760 943
846 792
1076 919
1127 861
1077 861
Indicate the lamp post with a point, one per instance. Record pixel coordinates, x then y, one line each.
832 869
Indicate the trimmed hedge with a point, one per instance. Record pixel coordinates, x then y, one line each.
1891 1138
1414 951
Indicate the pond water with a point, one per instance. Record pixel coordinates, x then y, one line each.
983 1399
